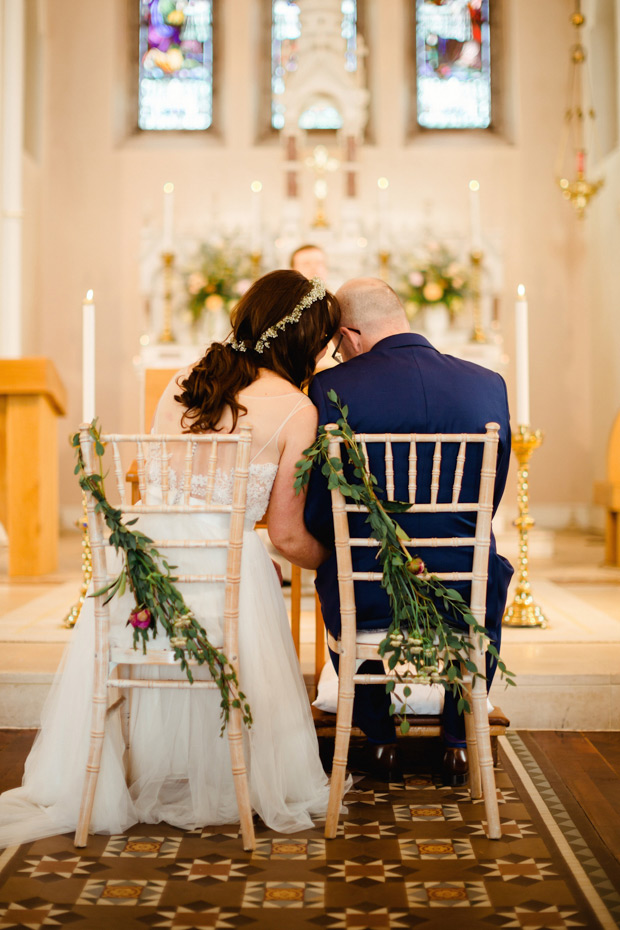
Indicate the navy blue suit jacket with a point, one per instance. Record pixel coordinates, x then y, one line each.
404 385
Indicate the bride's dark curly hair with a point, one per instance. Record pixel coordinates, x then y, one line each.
215 381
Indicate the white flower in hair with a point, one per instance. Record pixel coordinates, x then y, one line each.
317 292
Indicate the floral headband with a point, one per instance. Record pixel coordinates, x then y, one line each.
264 341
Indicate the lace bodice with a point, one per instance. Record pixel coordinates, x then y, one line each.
260 483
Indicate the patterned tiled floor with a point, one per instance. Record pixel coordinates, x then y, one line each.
406 856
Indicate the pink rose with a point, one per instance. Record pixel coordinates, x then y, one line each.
140 618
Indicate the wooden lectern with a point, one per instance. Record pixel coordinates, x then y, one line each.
32 396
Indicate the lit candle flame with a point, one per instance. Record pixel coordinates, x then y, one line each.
256 186
521 291
474 185
89 296
168 187
383 183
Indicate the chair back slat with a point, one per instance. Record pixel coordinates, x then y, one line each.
163 470
141 461
188 471
211 471
389 469
436 473
413 471
458 473
118 472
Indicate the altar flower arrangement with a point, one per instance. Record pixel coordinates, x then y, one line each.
435 277
217 277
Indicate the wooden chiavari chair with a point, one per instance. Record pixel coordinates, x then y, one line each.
352 652
113 663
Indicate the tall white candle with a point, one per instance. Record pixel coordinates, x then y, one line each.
168 217
383 200
522 359
88 358
474 215
256 217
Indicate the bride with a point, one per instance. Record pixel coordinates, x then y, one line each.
179 768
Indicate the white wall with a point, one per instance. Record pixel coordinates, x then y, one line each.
97 184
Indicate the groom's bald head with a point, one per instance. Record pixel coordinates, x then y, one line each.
370 305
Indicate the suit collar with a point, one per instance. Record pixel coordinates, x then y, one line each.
402 339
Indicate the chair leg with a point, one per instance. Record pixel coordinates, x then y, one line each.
485 755
344 717
475 784
93 763
240 777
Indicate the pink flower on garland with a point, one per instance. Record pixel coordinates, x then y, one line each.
140 618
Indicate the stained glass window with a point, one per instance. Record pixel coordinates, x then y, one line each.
176 64
285 33
453 64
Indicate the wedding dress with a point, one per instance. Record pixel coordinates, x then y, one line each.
179 768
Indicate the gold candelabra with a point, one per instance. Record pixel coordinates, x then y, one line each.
478 334
384 265
87 567
166 334
524 611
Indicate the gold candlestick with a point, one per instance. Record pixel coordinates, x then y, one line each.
478 333
166 334
87 567
255 260
384 265
524 611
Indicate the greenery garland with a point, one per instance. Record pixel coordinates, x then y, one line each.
156 597
419 635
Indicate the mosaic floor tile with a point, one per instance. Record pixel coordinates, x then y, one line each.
210 869
294 848
61 865
365 870
120 892
34 913
447 894
428 812
366 918
196 916
518 869
440 848
284 894
143 847
533 918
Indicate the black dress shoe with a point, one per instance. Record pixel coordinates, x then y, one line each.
382 761
455 767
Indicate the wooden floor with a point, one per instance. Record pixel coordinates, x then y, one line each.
583 767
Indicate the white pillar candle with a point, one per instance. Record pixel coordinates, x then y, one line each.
383 200
474 216
168 217
88 358
522 359
256 217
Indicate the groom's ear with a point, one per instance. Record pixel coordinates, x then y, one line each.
354 341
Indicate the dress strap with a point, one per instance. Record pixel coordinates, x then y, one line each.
302 402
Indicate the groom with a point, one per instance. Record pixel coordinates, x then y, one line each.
394 381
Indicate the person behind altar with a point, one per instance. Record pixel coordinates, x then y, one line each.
310 261
394 381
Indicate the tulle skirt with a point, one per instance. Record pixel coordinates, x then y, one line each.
178 767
